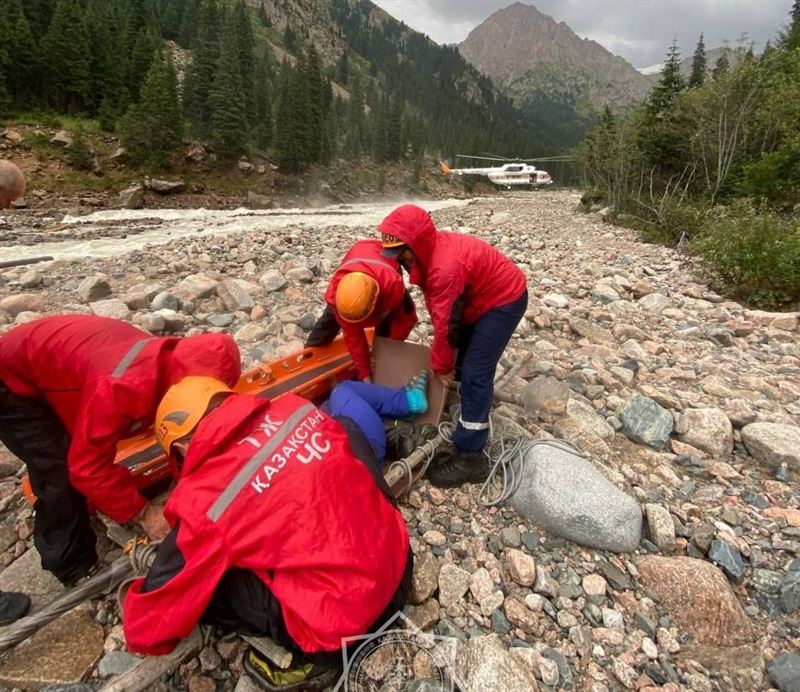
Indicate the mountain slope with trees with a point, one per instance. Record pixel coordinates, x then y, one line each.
302 81
559 80
713 164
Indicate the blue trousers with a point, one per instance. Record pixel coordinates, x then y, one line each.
365 404
480 346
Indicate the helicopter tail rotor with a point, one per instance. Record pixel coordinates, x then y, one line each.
445 168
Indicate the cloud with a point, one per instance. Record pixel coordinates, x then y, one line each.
638 30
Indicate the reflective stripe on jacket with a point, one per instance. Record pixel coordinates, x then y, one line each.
104 379
275 488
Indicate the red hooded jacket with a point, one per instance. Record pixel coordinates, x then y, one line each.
365 256
462 277
104 379
274 487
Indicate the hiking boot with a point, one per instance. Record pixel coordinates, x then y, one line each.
461 467
13 605
416 389
402 437
268 676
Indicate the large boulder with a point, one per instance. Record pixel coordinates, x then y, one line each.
773 444
566 495
131 198
12 183
196 286
697 598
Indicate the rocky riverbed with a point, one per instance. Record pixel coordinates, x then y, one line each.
687 402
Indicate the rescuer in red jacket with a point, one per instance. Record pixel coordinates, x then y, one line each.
476 296
367 290
73 386
283 526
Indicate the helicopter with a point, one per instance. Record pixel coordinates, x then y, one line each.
519 173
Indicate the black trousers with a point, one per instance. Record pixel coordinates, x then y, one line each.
242 603
326 329
61 533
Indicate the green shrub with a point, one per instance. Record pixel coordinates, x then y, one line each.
676 222
79 153
753 255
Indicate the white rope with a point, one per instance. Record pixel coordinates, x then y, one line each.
507 455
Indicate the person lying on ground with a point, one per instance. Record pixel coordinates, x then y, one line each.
476 297
12 183
367 290
282 523
72 387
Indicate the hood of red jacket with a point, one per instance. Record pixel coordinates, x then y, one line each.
414 226
210 355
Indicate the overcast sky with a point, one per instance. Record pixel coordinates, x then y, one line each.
638 30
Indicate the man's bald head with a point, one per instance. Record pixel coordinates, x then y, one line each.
12 183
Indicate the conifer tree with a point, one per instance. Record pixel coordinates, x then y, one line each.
39 14
354 137
698 74
201 71
669 86
262 131
315 104
189 21
23 55
65 51
342 69
721 66
290 135
146 44
262 14
153 129
108 71
793 33
246 44
229 126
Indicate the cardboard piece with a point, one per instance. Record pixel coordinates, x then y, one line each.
397 361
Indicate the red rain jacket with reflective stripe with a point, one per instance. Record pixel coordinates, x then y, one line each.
104 379
454 270
365 256
274 487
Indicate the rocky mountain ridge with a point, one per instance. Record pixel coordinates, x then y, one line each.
527 52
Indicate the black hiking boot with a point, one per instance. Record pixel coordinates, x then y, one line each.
13 605
403 437
460 468
268 676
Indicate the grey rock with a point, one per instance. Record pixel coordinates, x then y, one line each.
165 300
234 294
272 281
425 579
644 421
708 429
547 397
131 198
511 537
94 288
773 444
116 663
453 584
69 687
662 529
62 139
113 308
31 279
173 321
702 537
500 623
165 187
223 319
564 671
790 592
567 496
302 274
196 286
728 559
618 579
654 302
784 671
485 664
256 201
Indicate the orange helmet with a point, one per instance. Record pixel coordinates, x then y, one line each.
183 407
356 296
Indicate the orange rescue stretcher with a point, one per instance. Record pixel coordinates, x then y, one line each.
311 373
